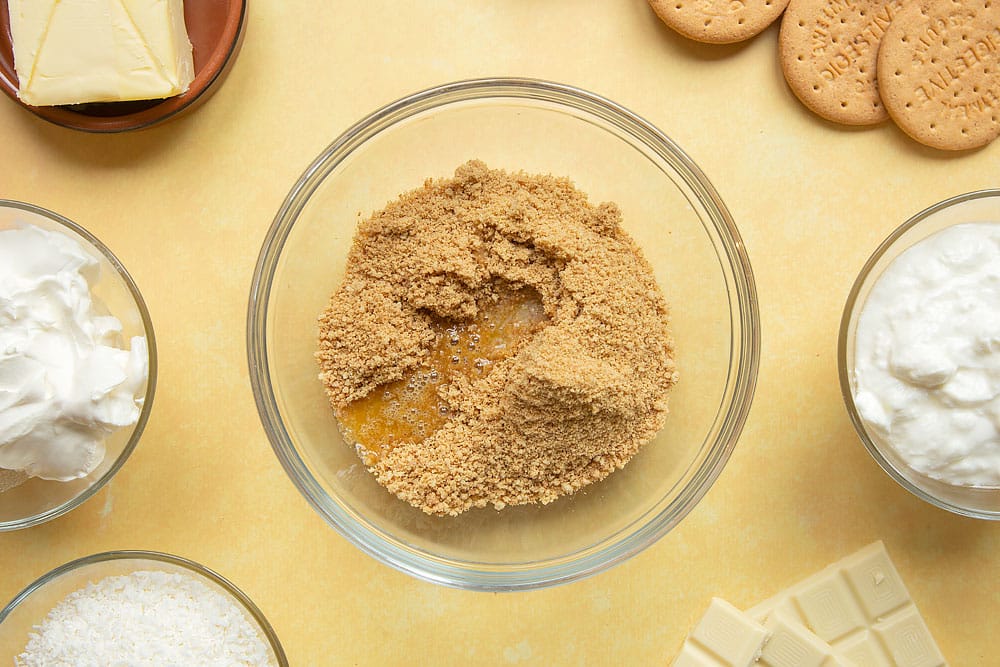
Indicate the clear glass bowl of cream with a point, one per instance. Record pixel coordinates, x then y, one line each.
919 342
97 402
670 210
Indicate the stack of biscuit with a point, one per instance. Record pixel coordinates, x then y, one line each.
932 66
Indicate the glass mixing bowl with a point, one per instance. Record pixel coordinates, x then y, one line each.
979 206
33 501
32 605
669 208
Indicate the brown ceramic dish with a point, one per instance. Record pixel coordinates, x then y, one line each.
215 28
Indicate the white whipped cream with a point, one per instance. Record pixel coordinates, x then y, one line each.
927 356
64 382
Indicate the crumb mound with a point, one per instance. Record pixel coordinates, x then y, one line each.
570 405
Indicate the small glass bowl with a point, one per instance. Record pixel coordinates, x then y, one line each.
34 501
979 206
670 210
30 607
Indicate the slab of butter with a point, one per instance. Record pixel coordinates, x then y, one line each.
724 637
859 607
74 51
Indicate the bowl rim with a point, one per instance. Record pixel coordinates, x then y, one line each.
147 407
845 342
740 381
160 557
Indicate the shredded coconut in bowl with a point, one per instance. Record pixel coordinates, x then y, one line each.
146 618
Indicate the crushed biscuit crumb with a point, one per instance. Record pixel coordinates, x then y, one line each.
581 388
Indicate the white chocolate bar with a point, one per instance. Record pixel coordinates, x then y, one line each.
793 645
860 607
724 637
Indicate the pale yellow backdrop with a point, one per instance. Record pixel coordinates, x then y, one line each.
186 207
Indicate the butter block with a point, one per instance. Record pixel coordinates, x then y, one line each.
860 607
724 637
75 51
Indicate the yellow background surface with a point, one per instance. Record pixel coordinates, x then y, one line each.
186 207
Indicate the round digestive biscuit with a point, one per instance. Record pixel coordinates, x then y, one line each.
939 72
828 51
718 21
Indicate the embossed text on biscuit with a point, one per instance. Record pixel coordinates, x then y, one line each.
863 41
716 8
981 51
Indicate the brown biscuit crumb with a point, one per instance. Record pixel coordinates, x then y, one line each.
571 404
